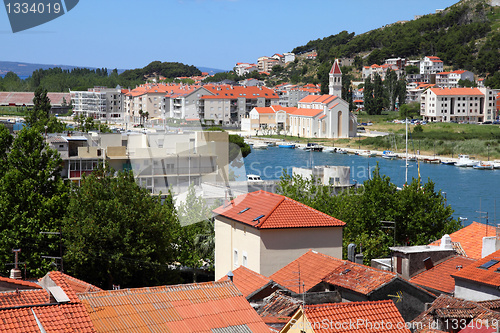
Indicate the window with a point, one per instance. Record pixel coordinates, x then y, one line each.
235 258
245 259
488 264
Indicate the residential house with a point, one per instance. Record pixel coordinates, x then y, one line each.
289 57
181 101
251 82
469 240
279 57
271 118
414 91
438 279
449 314
399 62
145 99
474 105
479 281
263 231
51 305
316 272
290 95
451 79
266 64
431 65
227 105
380 316
312 55
243 68
199 307
254 286
381 70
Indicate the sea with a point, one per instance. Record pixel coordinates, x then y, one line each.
473 194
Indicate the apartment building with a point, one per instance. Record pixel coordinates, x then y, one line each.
160 162
146 98
266 64
227 105
100 103
290 95
451 79
474 105
243 68
181 101
431 65
381 70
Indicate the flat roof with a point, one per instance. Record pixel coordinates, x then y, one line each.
418 249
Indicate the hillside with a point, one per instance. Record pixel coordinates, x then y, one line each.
465 36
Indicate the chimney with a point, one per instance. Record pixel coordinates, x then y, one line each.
230 275
15 273
446 243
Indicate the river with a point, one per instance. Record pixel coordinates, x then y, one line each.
467 190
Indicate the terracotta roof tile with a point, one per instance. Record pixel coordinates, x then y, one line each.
70 285
202 307
277 307
19 284
445 307
306 112
457 91
489 274
312 267
439 277
247 281
24 298
57 318
471 238
272 211
359 278
362 314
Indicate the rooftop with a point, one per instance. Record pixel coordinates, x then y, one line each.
357 312
310 268
471 238
247 281
484 271
439 277
264 210
202 307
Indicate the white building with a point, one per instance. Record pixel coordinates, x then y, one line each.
243 68
100 103
289 57
431 65
451 79
475 105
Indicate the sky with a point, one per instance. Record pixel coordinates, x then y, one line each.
128 34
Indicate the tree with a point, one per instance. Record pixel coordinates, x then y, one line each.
5 143
379 94
391 87
39 116
369 101
419 213
33 198
196 237
116 233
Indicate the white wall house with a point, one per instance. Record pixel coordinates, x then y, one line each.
431 65
475 105
264 232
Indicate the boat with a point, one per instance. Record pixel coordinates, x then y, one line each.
328 150
367 153
464 161
260 145
286 145
483 166
301 147
312 146
432 160
387 154
341 151
448 162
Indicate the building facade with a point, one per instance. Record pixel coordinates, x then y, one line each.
100 103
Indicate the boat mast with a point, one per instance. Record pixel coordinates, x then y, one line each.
406 159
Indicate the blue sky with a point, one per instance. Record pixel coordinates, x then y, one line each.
208 33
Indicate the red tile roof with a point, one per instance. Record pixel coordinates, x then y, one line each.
62 318
24 298
70 285
202 307
233 92
306 112
471 238
247 281
26 98
488 275
439 277
335 67
359 278
272 211
18 284
365 317
447 307
310 268
278 308
457 91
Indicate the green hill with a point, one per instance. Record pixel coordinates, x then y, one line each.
465 36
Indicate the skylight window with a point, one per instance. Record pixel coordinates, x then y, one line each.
244 210
488 264
258 218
